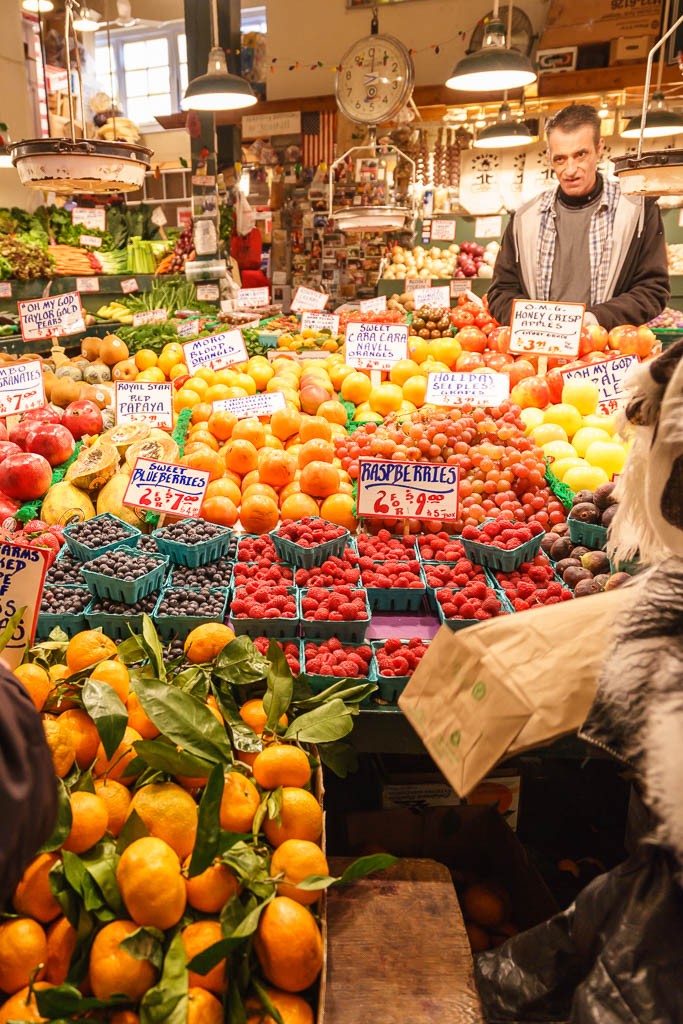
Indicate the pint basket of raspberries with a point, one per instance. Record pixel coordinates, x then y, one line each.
265 609
325 661
471 604
341 612
502 545
309 541
395 662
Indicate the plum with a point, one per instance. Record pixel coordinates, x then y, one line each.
582 496
547 542
579 551
608 515
560 529
564 563
562 548
574 574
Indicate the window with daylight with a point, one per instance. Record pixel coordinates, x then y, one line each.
146 67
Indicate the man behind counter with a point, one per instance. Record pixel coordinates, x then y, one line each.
583 241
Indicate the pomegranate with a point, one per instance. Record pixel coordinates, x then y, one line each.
8 448
8 507
45 414
83 417
51 440
25 476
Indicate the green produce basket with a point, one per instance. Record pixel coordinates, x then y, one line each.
85 553
284 628
319 682
667 335
69 563
117 626
169 626
194 554
128 591
70 622
351 632
497 559
590 534
390 687
395 599
309 558
457 624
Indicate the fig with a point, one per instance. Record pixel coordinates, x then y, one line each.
547 542
617 580
585 512
560 529
574 574
601 580
586 587
596 562
608 515
579 551
582 496
562 548
565 563
603 496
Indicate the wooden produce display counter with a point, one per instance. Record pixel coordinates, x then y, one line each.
397 949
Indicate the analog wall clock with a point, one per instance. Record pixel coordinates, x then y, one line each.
375 80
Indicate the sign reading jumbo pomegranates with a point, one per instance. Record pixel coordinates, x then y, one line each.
407 490
546 328
21 387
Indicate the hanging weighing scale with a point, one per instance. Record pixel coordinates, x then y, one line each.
374 82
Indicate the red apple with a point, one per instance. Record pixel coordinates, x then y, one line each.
594 338
555 381
616 335
83 417
518 370
531 392
469 361
51 440
646 341
8 448
497 360
472 339
25 476
499 339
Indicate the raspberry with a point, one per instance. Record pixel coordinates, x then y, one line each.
467 610
401 666
470 533
415 642
392 644
334 644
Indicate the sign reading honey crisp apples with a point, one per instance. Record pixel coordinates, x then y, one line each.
546 328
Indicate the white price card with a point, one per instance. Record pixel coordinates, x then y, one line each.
94 241
144 402
166 488
459 285
376 305
375 346
546 328
208 292
150 316
481 389
188 328
412 283
432 297
95 218
306 298
252 298
609 375
320 322
21 387
217 351
57 315
5 290
22 576
407 490
87 284
264 403
129 285
443 231
488 227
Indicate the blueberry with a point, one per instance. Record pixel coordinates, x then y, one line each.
69 600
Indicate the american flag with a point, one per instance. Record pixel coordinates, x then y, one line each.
318 131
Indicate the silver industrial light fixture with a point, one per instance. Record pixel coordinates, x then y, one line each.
87 20
659 121
603 109
37 6
218 89
495 67
506 133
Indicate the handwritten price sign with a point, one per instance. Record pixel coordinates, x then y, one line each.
377 305
95 218
414 283
432 296
609 375
21 387
320 322
375 346
218 351
306 298
150 316
166 488
22 575
482 389
252 298
129 285
262 404
546 328
45 318
144 402
407 490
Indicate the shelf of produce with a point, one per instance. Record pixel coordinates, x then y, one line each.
108 284
368 919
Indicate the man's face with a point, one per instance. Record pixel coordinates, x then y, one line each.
574 158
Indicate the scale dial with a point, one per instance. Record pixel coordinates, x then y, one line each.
375 81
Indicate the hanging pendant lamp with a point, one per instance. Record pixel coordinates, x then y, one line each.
37 6
659 121
493 68
218 89
506 133
88 20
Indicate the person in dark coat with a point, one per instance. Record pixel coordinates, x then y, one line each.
28 788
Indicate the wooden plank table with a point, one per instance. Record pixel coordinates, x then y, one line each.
397 949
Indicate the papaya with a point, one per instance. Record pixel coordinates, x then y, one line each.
111 496
64 503
160 449
113 350
93 467
124 435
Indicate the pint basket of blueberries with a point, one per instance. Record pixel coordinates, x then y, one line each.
179 610
193 542
96 536
125 574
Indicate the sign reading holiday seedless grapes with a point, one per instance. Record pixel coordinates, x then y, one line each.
144 402
609 375
46 318
21 387
264 403
482 389
407 490
546 328
22 575
166 488
375 346
218 351
307 298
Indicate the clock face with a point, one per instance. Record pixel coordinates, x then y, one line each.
375 80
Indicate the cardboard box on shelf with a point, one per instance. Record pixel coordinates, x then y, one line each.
624 50
574 22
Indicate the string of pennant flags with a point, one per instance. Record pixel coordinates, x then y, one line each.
283 63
